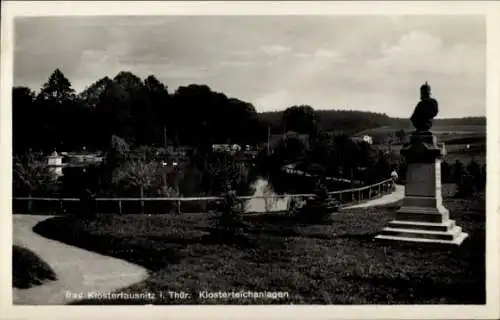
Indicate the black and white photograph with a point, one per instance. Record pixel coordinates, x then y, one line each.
232 159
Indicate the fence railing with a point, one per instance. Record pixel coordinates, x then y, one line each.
306 174
168 204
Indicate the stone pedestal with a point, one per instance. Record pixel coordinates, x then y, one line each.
422 216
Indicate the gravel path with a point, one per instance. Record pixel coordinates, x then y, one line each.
78 271
387 199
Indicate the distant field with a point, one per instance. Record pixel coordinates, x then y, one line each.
465 158
454 152
444 133
441 128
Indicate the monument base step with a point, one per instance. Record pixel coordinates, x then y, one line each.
417 238
418 225
426 234
422 214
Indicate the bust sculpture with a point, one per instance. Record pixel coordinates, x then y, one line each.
425 111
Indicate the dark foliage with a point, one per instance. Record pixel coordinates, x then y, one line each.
318 208
229 224
28 269
144 112
141 111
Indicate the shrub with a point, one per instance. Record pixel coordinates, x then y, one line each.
466 187
230 207
32 176
229 226
28 269
317 209
87 205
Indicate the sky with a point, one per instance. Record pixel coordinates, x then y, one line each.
370 63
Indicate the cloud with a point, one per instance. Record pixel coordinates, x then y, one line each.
422 52
275 100
236 63
242 53
321 54
362 62
274 49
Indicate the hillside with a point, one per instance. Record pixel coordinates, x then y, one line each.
362 122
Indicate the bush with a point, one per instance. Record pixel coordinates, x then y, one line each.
87 208
466 187
318 208
229 223
469 180
446 172
31 176
28 269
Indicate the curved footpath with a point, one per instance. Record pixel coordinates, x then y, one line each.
81 272
390 198
78 271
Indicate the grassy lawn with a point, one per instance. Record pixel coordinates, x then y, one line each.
28 269
334 263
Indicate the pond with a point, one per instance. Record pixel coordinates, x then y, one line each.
273 203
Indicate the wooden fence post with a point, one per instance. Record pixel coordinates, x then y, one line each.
61 207
179 206
119 206
30 203
242 204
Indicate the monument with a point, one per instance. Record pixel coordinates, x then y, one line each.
422 216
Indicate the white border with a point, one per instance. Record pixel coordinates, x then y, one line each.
491 10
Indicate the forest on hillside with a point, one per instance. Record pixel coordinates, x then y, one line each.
354 121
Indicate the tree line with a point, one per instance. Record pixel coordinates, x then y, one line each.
143 112
354 121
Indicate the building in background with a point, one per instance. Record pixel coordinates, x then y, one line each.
55 163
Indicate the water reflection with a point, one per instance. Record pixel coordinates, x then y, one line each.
273 203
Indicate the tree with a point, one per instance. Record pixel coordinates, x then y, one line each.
321 147
382 171
193 106
466 187
317 209
349 154
229 224
290 147
339 121
55 104
446 172
474 170
91 95
401 135
301 119
32 175
114 113
158 115
458 172
224 173
24 120
138 174
118 152
57 89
